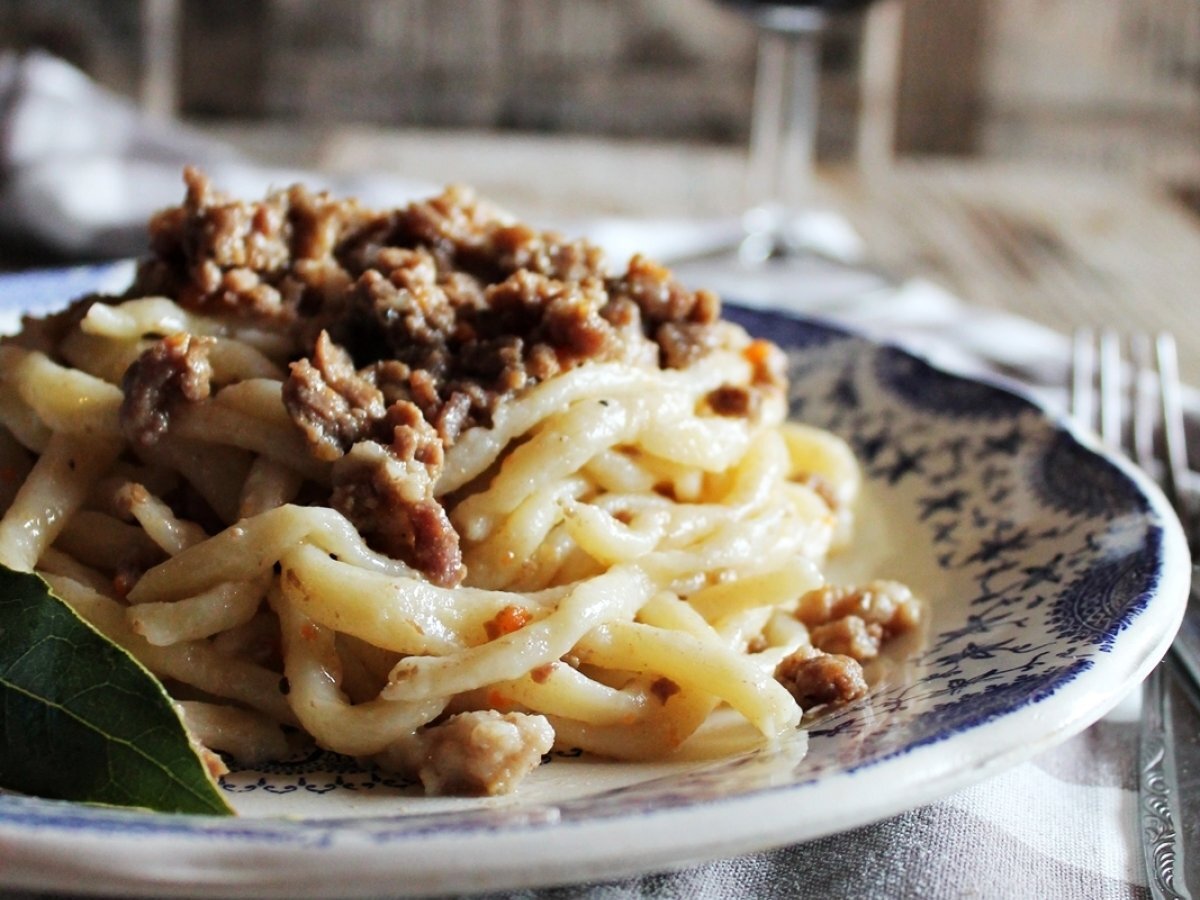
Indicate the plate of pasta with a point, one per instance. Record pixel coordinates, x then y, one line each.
461 560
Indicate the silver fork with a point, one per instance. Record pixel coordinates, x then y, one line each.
1100 384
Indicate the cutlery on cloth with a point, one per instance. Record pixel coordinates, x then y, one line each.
1137 410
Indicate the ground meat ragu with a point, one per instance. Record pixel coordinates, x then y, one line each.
482 753
817 679
449 286
333 404
847 626
732 400
387 492
409 326
858 619
260 259
174 370
387 458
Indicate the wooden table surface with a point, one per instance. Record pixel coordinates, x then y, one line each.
1061 246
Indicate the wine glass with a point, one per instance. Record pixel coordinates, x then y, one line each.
783 128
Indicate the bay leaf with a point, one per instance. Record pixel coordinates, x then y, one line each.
80 719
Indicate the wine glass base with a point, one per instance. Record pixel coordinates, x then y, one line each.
784 17
808 283
772 232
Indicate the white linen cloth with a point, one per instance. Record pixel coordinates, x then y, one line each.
80 170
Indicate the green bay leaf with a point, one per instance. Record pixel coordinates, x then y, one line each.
80 719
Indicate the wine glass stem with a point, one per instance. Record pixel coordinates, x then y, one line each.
783 129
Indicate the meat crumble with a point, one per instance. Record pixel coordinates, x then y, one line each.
480 753
847 626
857 620
174 370
387 492
817 679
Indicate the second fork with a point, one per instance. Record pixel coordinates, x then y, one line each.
1153 435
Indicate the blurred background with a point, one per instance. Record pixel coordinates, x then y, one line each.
1111 85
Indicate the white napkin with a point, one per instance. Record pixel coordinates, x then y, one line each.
82 169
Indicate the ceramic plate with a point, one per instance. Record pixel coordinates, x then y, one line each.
1055 577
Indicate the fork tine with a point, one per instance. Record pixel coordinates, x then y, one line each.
1154 393
1145 401
1083 377
1111 412
1173 431
1154 399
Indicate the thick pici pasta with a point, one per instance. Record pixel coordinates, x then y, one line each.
434 489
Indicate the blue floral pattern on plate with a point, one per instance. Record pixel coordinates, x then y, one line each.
1045 564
